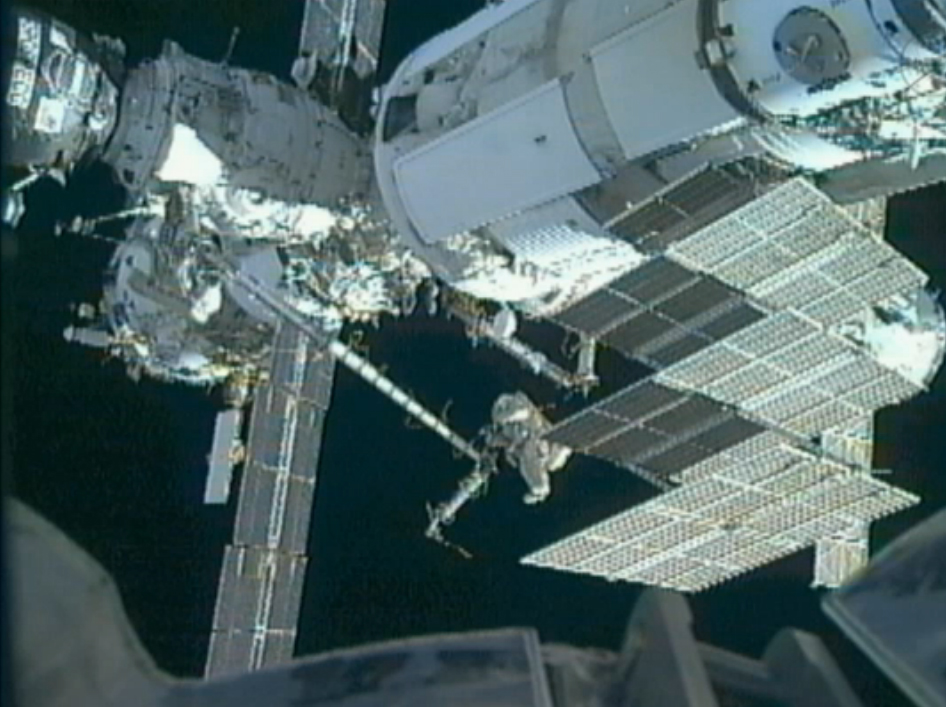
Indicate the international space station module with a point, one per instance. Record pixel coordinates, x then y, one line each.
528 154
699 185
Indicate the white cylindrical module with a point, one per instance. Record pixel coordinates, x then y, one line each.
800 58
655 91
61 103
534 100
267 135
516 110
491 135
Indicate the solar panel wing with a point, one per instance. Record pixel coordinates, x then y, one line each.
701 190
637 332
755 264
691 413
255 507
782 406
585 429
707 248
794 248
654 430
648 221
742 313
660 313
743 467
730 321
709 530
677 349
653 281
269 426
830 415
727 432
259 595
895 275
641 400
816 230
628 445
597 313
834 308
676 212
255 616
886 389
710 365
701 296
796 287
851 258
623 525
809 354
792 374
669 462
344 33
752 380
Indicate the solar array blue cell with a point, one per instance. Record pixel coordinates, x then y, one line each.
584 429
732 321
632 335
629 445
650 219
727 433
307 445
297 519
596 313
691 413
676 459
258 498
678 349
236 627
640 400
257 495
688 207
654 430
699 298
702 190
317 387
653 280
267 425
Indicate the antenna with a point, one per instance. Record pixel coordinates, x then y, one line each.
234 35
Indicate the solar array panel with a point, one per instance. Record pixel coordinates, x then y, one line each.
739 317
260 589
725 524
652 282
597 313
794 248
654 430
785 372
661 313
257 588
344 31
798 253
675 212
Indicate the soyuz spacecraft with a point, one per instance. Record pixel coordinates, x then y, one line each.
699 185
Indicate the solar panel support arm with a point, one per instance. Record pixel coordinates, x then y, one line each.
346 355
369 373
